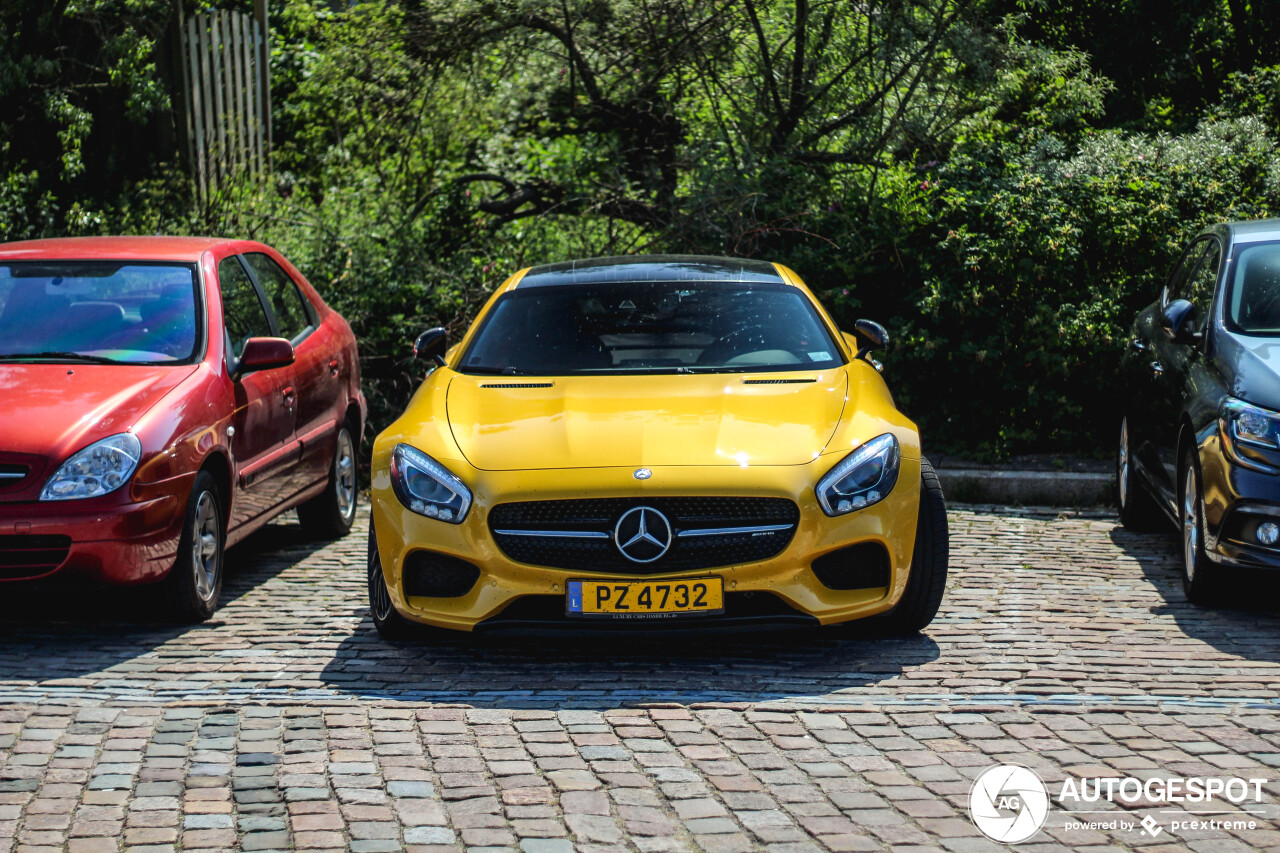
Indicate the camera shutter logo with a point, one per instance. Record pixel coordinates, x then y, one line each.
1008 803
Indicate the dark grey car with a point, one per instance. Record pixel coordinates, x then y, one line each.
1200 434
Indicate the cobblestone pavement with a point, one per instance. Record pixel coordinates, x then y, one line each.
1064 644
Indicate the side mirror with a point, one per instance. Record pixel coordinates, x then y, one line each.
1177 321
264 354
871 336
431 344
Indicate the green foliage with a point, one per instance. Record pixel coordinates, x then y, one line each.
1041 264
1002 184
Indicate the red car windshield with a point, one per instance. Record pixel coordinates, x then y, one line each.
98 311
651 327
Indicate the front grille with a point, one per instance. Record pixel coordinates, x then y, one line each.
578 534
27 556
12 476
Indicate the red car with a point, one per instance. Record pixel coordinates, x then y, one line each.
163 397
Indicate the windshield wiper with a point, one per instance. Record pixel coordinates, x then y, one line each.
59 356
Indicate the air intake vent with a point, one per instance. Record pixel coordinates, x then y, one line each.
434 575
28 556
778 381
517 385
863 566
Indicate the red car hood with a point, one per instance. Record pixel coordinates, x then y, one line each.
49 411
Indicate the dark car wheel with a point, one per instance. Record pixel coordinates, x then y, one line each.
330 514
390 624
1138 509
1199 574
195 582
928 579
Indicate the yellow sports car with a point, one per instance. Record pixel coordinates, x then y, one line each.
653 442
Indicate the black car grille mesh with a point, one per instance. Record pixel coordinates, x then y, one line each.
27 556
600 515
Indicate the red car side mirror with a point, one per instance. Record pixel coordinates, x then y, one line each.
264 354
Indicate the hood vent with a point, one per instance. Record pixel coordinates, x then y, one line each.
517 385
778 381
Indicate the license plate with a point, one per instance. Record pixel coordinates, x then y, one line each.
645 599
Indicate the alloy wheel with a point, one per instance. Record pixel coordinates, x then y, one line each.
344 481
379 596
1190 523
1122 464
206 557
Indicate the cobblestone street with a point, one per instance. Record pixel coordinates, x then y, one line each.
1064 644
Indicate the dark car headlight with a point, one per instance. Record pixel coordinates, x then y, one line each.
1248 430
426 487
862 478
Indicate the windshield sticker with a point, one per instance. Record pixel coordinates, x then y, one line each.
820 356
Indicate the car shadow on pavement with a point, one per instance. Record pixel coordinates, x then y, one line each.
64 628
595 671
1244 621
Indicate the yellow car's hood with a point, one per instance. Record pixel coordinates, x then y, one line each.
512 423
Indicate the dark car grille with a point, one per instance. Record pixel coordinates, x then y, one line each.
578 534
12 476
25 556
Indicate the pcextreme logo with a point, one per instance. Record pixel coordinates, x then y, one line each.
1009 803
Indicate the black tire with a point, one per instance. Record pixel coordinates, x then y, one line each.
390 624
928 578
1201 577
192 589
1137 508
330 514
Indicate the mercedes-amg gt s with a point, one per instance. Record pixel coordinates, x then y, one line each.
659 442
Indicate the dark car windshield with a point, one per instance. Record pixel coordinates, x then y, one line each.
651 327
129 313
1254 304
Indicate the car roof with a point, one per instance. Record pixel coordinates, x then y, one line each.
1254 230
633 268
188 249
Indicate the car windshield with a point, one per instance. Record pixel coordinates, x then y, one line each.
96 311
1255 289
651 327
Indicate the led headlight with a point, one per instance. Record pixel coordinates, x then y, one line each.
427 487
862 478
1247 430
1250 424
98 469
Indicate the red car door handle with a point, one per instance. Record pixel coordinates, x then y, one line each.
289 395
333 367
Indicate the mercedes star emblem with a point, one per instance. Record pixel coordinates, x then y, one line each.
642 534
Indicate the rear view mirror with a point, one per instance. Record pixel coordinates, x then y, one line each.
1177 320
432 344
264 354
871 336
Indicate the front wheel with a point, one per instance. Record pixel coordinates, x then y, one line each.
330 514
928 578
1199 573
390 624
195 582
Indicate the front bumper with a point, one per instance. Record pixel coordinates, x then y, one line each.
782 590
112 540
1237 499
